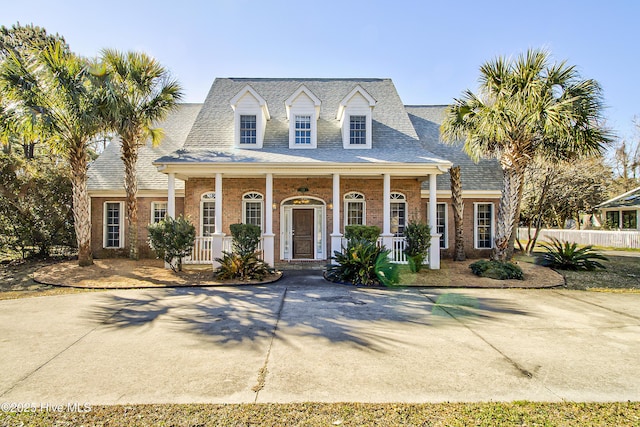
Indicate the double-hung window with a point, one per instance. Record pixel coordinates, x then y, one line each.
483 225
208 214
398 213
358 130
158 211
354 209
113 225
303 130
252 208
248 129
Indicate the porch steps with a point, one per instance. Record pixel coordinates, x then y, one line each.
300 265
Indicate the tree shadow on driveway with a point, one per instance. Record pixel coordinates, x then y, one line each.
334 313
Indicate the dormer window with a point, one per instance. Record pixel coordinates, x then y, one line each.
303 111
355 115
250 118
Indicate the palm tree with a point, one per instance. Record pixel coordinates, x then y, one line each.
59 86
457 204
139 93
525 108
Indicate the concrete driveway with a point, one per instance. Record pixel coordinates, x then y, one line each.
303 339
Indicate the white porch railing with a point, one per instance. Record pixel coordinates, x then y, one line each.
202 249
606 238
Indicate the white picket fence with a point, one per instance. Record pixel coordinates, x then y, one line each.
606 238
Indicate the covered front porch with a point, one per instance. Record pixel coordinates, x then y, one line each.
302 213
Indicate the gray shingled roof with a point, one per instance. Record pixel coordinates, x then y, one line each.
626 200
212 136
106 173
482 176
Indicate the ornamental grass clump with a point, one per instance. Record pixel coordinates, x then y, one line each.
564 255
498 270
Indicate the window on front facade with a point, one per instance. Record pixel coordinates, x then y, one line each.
358 130
248 130
398 213
484 225
113 225
303 130
441 223
354 209
158 211
208 214
252 208
630 219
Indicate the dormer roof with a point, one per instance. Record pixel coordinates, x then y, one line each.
252 92
302 90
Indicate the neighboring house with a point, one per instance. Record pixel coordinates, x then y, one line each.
301 158
621 212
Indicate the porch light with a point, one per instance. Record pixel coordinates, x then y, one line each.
274 206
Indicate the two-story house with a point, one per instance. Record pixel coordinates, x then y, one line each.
302 159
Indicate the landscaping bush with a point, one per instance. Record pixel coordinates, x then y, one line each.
363 263
418 241
243 263
172 239
568 256
369 233
496 270
245 238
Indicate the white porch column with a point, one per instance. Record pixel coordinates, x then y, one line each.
268 236
218 236
434 250
171 195
387 236
336 236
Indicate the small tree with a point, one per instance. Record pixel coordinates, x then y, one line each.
243 263
245 238
172 239
418 238
369 233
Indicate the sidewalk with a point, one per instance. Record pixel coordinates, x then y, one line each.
302 339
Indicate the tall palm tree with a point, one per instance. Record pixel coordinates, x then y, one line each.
525 108
457 203
60 87
139 93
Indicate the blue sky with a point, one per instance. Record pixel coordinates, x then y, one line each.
431 50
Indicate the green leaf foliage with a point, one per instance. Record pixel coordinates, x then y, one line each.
497 270
369 233
172 239
245 266
245 238
418 241
362 263
564 255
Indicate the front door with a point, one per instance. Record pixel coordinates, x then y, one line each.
303 234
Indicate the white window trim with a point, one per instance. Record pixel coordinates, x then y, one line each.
475 223
120 225
244 207
204 199
153 210
346 204
293 111
402 200
446 223
345 111
261 111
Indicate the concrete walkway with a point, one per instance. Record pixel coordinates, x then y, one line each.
303 339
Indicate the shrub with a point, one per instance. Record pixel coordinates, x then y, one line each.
496 270
245 238
369 233
363 263
568 256
172 239
241 266
418 238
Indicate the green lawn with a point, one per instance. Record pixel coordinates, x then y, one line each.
344 414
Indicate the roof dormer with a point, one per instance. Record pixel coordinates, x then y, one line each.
355 116
250 118
303 111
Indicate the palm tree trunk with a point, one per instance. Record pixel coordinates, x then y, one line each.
458 210
81 207
130 159
507 212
